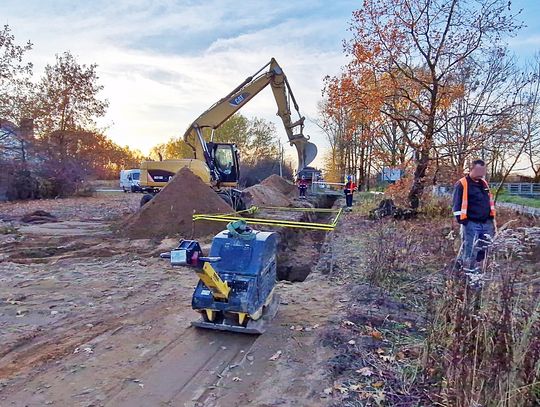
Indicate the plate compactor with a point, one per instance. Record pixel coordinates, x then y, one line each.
237 279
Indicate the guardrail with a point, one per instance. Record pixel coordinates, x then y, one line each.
523 188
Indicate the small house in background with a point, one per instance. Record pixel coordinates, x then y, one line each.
14 139
391 175
9 140
518 178
13 151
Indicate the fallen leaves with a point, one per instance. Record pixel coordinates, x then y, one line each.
376 335
275 356
378 384
355 387
387 358
365 371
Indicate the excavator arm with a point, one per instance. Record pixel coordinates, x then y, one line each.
270 74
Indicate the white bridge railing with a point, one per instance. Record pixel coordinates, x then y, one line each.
523 188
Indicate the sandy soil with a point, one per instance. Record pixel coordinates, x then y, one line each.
90 319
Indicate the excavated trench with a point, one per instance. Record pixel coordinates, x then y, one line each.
299 249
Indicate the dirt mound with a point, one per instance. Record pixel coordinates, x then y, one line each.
280 184
170 212
38 217
265 195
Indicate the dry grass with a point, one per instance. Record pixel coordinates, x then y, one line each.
416 334
484 344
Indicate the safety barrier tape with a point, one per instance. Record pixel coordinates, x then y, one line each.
271 222
278 208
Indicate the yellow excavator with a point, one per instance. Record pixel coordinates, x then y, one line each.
217 164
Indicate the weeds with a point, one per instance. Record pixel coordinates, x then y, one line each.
365 201
484 345
402 253
416 334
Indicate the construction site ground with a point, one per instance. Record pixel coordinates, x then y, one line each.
88 318
91 319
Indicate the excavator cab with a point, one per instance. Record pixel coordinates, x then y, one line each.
217 164
226 163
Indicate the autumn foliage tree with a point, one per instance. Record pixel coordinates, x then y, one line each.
412 49
350 118
49 140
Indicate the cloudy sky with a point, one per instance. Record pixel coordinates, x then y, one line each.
164 62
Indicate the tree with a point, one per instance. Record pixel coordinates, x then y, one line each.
414 47
523 127
66 103
262 141
62 109
530 125
488 99
175 148
346 123
234 130
68 96
14 77
15 93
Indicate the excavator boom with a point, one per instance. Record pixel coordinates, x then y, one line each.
270 74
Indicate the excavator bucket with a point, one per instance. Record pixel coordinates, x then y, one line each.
306 150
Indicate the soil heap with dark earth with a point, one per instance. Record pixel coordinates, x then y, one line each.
281 184
273 191
170 211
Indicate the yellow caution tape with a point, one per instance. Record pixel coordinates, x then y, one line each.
274 222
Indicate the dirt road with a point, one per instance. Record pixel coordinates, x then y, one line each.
88 319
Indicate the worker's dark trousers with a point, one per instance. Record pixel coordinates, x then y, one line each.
348 199
302 191
471 231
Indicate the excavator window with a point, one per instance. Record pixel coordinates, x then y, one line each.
225 161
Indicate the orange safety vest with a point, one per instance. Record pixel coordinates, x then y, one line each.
465 199
351 186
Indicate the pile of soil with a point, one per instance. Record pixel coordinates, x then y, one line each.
265 195
38 217
280 184
170 211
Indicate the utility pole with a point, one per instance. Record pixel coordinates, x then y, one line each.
280 158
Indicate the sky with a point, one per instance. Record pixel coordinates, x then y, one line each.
163 62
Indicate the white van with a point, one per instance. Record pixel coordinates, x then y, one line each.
130 180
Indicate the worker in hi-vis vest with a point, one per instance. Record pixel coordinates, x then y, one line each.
474 209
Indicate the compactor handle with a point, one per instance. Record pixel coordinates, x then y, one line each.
210 259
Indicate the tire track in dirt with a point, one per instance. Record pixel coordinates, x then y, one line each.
30 353
183 374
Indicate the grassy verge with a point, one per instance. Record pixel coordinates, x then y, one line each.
519 200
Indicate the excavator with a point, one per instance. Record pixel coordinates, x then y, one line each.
217 164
